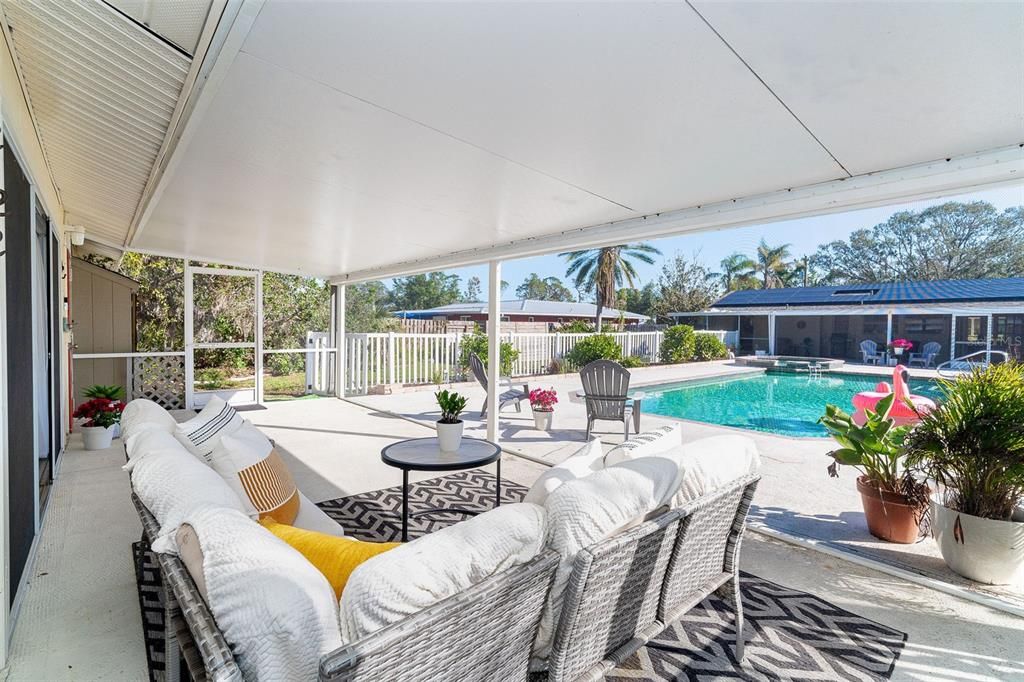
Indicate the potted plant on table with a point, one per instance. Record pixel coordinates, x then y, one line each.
894 501
972 445
449 426
102 415
898 347
543 402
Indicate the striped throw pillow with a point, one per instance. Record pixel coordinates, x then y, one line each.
202 433
247 460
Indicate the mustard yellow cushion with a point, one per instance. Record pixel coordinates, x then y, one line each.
336 557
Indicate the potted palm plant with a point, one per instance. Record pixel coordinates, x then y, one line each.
543 402
449 426
894 501
973 447
101 415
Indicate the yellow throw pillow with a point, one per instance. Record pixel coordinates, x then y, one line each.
336 557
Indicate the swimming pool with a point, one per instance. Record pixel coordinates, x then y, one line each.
784 404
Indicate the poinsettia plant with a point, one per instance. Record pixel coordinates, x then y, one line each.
543 400
901 344
100 412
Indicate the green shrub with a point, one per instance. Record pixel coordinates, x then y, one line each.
477 343
280 364
631 361
596 347
212 378
709 347
677 346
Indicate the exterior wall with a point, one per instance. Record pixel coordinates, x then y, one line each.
103 315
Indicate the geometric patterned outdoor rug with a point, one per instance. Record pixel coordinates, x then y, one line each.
791 635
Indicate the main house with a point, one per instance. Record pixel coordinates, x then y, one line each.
544 314
961 316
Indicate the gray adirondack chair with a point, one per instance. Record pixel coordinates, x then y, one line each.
605 389
510 396
870 353
926 358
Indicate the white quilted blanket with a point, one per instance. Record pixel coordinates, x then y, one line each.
276 610
396 584
171 482
586 510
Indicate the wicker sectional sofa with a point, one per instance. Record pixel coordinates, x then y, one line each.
622 592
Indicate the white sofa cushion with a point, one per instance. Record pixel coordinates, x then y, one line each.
141 414
708 464
276 610
249 463
407 579
201 434
585 511
583 462
646 444
172 483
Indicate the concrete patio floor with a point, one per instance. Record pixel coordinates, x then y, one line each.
796 498
80 615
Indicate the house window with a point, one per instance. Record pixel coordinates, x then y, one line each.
465 318
505 318
530 318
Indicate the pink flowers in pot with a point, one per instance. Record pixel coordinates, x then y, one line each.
102 412
900 345
543 400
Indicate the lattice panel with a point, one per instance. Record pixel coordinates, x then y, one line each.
160 379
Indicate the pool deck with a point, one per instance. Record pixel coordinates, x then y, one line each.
796 498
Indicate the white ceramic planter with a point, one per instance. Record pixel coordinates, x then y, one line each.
97 437
542 419
983 550
449 436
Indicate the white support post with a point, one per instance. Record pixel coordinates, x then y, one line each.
888 329
493 348
258 353
771 333
339 340
988 338
190 351
952 337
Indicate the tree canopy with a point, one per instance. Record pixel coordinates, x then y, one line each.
604 270
420 292
546 289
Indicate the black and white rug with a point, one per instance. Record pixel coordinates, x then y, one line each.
791 635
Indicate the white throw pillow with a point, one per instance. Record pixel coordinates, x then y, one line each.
587 510
407 579
709 464
276 610
583 462
141 414
646 444
254 469
201 434
172 483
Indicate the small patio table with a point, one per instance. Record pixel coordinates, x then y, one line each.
425 454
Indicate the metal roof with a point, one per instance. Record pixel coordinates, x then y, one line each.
524 307
939 291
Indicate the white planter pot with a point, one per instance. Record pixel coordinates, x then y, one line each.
97 437
983 550
542 419
449 436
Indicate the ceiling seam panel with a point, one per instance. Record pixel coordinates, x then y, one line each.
101 100
437 130
768 88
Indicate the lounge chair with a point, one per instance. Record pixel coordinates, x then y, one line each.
510 396
869 352
605 389
926 358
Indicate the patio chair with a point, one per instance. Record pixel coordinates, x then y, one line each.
605 389
926 358
510 396
869 352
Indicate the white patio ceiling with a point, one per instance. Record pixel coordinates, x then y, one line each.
371 138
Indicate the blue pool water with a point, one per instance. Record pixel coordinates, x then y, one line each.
785 404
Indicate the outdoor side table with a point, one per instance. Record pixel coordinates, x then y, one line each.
425 454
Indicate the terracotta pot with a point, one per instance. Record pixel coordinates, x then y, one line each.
889 515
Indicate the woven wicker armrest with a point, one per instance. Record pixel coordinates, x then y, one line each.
207 653
484 633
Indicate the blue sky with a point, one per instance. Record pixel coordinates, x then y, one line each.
804 235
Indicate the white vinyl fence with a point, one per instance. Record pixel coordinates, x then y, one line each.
398 358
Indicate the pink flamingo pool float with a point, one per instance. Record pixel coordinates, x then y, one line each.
901 413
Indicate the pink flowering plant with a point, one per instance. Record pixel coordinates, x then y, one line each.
543 400
902 344
100 412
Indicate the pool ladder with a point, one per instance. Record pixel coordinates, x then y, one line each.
814 371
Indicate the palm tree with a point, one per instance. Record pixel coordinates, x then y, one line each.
602 270
771 264
736 270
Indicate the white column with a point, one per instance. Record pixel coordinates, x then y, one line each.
771 333
888 329
493 348
339 340
952 337
988 338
